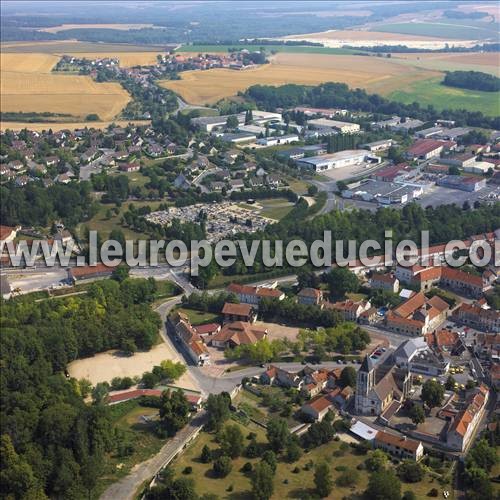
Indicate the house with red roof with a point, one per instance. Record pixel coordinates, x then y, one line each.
399 446
254 294
317 408
100 270
417 315
236 334
463 426
238 312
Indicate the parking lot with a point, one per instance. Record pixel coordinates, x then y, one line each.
439 195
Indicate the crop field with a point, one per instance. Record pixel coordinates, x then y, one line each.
121 27
374 74
28 85
487 62
74 46
405 77
64 94
440 96
28 63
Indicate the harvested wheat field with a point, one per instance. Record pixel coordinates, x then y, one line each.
63 94
488 62
374 74
28 63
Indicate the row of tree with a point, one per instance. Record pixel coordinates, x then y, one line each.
338 95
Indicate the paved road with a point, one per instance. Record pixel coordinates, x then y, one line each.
126 488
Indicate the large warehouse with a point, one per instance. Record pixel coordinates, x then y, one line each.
341 159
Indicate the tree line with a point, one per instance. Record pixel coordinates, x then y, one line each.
472 80
339 95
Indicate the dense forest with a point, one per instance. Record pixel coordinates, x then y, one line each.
52 443
35 205
339 95
472 80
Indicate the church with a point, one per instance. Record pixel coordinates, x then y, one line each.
379 383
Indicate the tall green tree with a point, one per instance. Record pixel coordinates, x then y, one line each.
323 479
262 480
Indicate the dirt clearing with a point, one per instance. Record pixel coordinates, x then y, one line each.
105 366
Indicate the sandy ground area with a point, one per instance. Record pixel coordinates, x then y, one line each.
277 331
105 366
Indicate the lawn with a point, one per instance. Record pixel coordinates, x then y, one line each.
431 91
104 225
275 208
135 178
297 186
200 317
272 208
291 480
127 419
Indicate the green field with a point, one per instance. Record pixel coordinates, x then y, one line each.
431 91
293 480
292 49
466 30
200 317
104 225
275 208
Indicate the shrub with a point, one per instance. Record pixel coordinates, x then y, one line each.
410 471
187 470
409 495
296 470
247 468
433 493
341 468
222 466
347 478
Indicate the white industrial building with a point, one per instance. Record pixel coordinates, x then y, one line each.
209 123
340 159
385 193
276 140
342 127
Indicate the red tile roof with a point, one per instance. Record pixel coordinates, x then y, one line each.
207 328
403 442
5 232
424 146
237 309
88 271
